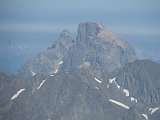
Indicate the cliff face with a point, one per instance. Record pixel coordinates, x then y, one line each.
101 48
94 44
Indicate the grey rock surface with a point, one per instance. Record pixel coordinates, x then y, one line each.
48 61
81 95
67 96
142 79
100 47
95 44
9 85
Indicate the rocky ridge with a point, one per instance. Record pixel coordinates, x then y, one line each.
104 50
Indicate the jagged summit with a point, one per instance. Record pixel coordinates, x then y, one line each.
65 38
94 31
89 29
64 41
48 61
101 48
94 44
65 33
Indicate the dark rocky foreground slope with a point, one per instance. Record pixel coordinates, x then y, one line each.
80 95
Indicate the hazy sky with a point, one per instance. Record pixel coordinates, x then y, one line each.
122 16
40 21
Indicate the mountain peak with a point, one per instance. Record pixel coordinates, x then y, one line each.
91 24
101 48
95 46
89 28
96 31
65 33
65 40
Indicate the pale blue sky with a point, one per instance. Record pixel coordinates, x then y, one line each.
122 16
25 24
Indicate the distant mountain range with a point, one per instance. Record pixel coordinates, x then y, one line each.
96 76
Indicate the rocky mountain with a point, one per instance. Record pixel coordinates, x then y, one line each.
100 47
93 77
95 44
48 61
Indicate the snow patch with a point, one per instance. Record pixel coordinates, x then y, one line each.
41 84
107 86
119 103
17 94
118 86
56 71
114 81
98 80
33 73
51 75
126 92
136 100
145 116
133 99
96 88
61 62
152 110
